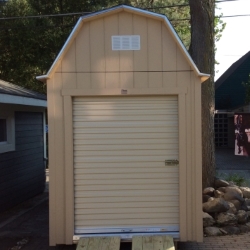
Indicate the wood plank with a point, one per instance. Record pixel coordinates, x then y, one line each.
137 243
104 244
168 243
147 243
114 243
94 243
158 243
82 244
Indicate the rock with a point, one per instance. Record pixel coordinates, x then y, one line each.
245 192
242 216
208 191
216 205
236 203
232 184
205 198
248 225
218 194
211 199
220 183
212 231
208 220
232 209
244 228
248 215
226 219
244 206
222 189
247 202
231 230
233 193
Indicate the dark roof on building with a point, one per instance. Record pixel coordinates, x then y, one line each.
15 90
231 70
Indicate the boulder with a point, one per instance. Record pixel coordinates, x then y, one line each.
205 198
248 214
244 228
232 209
236 203
232 184
247 202
248 225
211 199
226 219
216 205
208 220
208 191
212 231
218 194
242 216
245 191
231 230
244 206
233 193
220 183
222 189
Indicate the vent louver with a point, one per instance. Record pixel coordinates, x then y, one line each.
125 42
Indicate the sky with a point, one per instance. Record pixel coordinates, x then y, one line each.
235 40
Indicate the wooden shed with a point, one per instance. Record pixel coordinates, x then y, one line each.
124 112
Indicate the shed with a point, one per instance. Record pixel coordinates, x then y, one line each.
124 112
22 119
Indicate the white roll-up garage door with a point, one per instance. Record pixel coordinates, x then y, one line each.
122 182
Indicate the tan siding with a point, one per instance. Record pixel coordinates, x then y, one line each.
97 45
126 80
126 28
112 57
169 79
168 50
112 157
183 78
141 56
59 159
83 49
83 80
59 67
182 63
69 60
112 80
155 79
154 46
97 80
140 80
69 80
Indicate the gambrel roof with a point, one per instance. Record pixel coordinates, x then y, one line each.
114 10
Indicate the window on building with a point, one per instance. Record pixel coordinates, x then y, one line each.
3 130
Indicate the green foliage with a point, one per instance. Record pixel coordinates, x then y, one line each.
237 179
247 89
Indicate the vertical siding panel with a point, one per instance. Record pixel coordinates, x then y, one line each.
83 49
168 50
59 67
52 162
126 28
97 44
154 45
169 79
182 166
182 63
59 159
127 80
83 80
69 80
155 79
141 56
69 181
112 80
69 60
140 80
97 80
183 79
198 160
189 128
111 57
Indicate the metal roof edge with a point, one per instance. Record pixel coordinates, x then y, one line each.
121 7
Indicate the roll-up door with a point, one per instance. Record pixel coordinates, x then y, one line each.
122 180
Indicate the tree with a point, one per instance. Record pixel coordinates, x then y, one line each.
202 52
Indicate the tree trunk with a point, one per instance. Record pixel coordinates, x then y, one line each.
202 52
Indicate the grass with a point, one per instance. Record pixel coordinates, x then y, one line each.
237 179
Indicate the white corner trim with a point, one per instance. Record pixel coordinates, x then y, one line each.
13 99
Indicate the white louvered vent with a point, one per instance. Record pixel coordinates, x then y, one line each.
125 42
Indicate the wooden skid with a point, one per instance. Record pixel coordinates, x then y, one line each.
99 243
152 243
